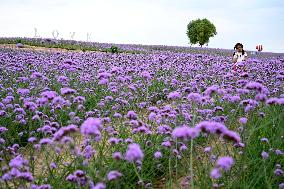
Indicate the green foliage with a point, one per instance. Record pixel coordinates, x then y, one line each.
64 45
114 49
199 31
18 41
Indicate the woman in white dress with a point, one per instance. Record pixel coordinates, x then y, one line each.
239 56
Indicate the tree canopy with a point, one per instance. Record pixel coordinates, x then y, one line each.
200 30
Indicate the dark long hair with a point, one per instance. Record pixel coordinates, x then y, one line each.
239 44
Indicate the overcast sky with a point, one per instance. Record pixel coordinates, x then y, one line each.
160 22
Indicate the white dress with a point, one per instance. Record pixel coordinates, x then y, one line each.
240 56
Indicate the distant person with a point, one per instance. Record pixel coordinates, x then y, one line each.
239 56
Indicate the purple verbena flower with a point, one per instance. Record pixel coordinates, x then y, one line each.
113 175
174 95
225 163
157 155
134 153
264 155
185 133
91 127
215 173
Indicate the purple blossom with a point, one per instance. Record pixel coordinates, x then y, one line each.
32 139
157 155
225 163
2 141
35 118
25 176
78 177
128 140
264 140
279 152
18 162
45 141
67 91
166 144
20 45
113 140
117 156
260 97
231 135
264 155
207 149
278 172
23 92
91 127
280 101
89 152
113 175
164 129
215 173
30 106
134 153
243 120
234 99
103 82
64 131
44 186
152 116
62 79
272 100
53 165
194 97
104 75
255 86
146 75
3 129
210 90
58 101
99 186
117 115
174 95
2 113
211 127
131 115
185 133
49 95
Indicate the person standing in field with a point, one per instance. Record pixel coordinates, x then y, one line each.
239 56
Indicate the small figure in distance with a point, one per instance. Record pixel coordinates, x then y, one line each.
239 56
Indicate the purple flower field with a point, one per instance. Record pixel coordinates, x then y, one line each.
157 119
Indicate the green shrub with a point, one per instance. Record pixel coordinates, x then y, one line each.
114 49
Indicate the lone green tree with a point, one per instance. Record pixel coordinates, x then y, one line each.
200 30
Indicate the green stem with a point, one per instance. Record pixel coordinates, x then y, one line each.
136 172
265 175
191 164
147 92
176 163
191 152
